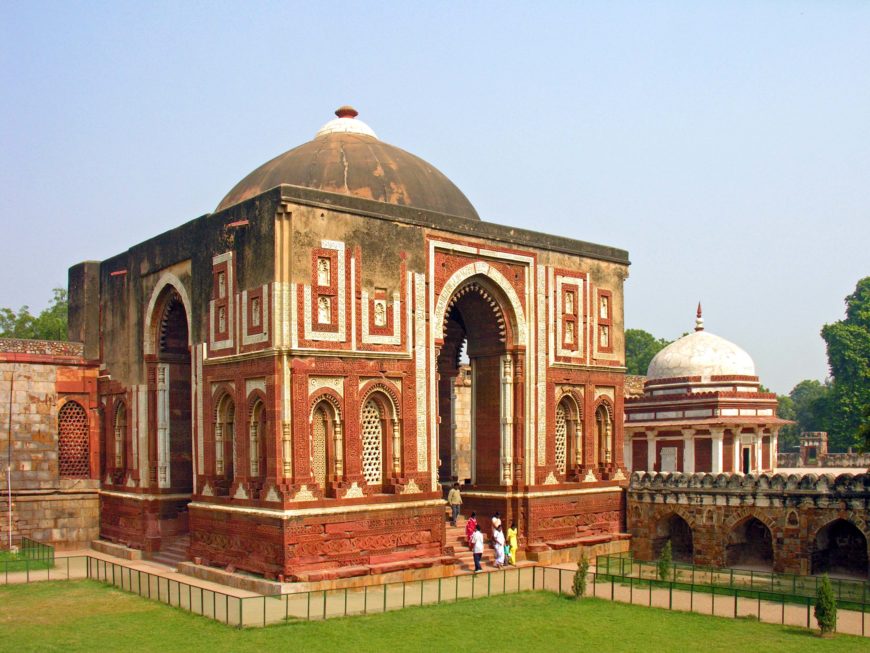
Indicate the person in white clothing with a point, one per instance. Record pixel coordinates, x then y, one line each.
477 548
498 538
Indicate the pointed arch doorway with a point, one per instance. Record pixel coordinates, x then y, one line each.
170 441
478 330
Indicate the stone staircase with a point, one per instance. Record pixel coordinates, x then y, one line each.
465 558
462 552
173 551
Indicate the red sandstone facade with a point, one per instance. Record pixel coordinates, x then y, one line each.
276 378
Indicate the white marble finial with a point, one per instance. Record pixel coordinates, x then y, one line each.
346 123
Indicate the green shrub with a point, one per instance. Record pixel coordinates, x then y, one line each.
666 561
580 576
826 607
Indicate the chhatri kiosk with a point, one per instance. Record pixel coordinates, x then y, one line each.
702 411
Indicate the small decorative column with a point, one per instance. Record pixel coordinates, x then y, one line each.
287 451
163 425
338 443
507 419
688 451
627 453
716 462
397 448
651 451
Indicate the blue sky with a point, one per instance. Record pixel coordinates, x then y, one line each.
725 145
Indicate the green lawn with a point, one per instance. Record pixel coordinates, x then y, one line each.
89 616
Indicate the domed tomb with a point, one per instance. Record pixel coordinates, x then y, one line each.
700 354
346 157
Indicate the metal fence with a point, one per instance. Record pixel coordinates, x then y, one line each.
255 611
29 571
36 551
768 607
31 555
849 593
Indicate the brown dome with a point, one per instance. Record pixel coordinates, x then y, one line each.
347 158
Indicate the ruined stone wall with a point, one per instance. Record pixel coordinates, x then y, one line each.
858 460
794 508
37 378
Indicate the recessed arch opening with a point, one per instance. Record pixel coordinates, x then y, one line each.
675 529
750 546
840 549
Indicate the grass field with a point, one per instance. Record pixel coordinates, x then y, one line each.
88 616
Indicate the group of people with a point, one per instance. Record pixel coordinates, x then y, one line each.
505 544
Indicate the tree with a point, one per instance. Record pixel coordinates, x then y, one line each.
811 405
50 324
848 343
580 576
789 435
640 347
825 611
666 561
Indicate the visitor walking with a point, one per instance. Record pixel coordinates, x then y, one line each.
498 538
470 526
477 548
496 522
454 500
512 543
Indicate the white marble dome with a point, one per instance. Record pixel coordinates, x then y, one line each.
700 354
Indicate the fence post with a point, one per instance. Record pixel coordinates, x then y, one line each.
670 596
808 613
631 590
735 601
385 595
612 585
713 600
324 605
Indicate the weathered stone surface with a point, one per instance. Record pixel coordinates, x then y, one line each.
793 508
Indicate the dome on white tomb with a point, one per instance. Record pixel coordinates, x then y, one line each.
700 354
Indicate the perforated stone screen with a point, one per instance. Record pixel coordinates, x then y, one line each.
561 438
372 460
72 441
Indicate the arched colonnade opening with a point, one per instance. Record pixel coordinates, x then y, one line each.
750 546
840 549
675 529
